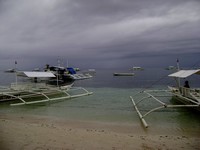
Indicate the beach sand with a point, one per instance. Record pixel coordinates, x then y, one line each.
18 132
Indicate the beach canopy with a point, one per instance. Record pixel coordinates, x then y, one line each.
184 73
34 74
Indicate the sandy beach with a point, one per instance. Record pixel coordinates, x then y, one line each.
37 133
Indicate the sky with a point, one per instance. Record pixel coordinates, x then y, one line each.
100 33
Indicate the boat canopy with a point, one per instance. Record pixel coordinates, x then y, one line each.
184 73
71 70
34 74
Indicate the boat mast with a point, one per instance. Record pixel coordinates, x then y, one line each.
67 64
58 69
16 72
178 68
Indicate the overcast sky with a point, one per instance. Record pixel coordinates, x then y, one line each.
100 33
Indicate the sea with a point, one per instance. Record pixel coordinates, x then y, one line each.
111 103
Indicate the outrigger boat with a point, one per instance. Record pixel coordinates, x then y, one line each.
188 96
38 92
67 74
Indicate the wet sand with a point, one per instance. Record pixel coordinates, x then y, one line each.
37 133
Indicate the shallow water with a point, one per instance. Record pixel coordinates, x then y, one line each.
111 103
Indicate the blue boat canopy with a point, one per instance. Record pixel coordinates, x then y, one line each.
71 70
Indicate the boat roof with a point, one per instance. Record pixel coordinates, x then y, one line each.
34 74
184 73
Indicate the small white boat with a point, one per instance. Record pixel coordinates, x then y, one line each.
36 69
91 70
137 68
171 68
10 70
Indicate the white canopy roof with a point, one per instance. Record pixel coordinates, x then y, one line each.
33 74
184 73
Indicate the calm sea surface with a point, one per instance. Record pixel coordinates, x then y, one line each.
111 102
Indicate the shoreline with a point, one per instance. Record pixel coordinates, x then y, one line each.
40 132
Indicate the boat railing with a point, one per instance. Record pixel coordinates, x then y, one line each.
185 91
4 88
27 86
190 93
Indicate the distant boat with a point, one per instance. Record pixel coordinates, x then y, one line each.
123 74
137 68
91 70
171 68
10 70
36 69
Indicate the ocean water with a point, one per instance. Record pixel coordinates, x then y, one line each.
111 103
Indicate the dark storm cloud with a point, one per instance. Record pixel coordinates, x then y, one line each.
107 31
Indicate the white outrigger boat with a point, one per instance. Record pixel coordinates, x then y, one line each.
38 92
187 96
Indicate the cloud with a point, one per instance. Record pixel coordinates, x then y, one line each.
88 30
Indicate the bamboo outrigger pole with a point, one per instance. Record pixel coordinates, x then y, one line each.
140 115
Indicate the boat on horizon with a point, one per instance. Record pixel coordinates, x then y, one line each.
10 70
137 68
171 68
123 74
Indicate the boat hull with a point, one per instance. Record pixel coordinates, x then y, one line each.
123 74
183 100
